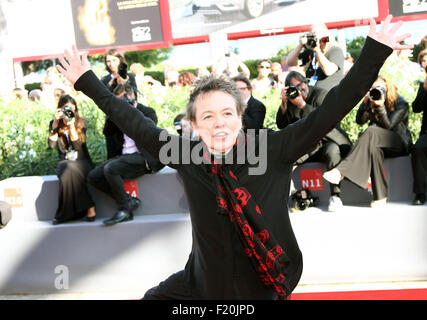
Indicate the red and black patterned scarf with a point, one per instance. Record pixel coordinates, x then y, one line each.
266 255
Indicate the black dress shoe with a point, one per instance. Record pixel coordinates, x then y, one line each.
419 200
119 216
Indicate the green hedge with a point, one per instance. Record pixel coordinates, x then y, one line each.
24 124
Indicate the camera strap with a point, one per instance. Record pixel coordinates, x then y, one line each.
70 154
315 66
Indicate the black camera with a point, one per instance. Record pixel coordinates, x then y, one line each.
311 41
378 93
178 127
292 92
129 99
303 199
68 113
123 70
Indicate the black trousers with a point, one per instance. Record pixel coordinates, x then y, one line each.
367 159
419 164
109 176
330 154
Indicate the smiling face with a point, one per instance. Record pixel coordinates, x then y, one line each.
217 121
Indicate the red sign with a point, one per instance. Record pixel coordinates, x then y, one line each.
311 179
131 187
13 196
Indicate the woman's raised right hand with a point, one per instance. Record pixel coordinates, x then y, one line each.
72 65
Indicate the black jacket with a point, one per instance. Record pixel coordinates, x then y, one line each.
217 267
293 113
106 79
254 114
420 105
396 121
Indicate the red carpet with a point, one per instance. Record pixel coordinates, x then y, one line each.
400 294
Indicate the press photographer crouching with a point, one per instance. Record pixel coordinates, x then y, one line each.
387 136
67 133
129 162
322 58
298 100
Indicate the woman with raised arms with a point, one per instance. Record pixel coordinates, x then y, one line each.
243 243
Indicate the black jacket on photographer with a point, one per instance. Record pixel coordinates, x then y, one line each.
293 113
106 80
396 121
115 139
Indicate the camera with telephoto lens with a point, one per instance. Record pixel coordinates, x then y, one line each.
123 70
68 113
303 199
292 92
311 41
378 93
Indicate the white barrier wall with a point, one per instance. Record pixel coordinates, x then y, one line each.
357 244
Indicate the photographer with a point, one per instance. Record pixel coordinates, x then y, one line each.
387 136
117 68
130 163
67 133
116 65
322 59
298 101
419 150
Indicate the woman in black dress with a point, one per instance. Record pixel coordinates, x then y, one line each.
243 243
67 133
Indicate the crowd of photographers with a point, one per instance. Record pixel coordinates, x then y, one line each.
304 77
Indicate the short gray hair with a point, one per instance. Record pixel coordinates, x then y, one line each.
213 83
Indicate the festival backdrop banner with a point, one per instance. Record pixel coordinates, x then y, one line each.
400 8
114 23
